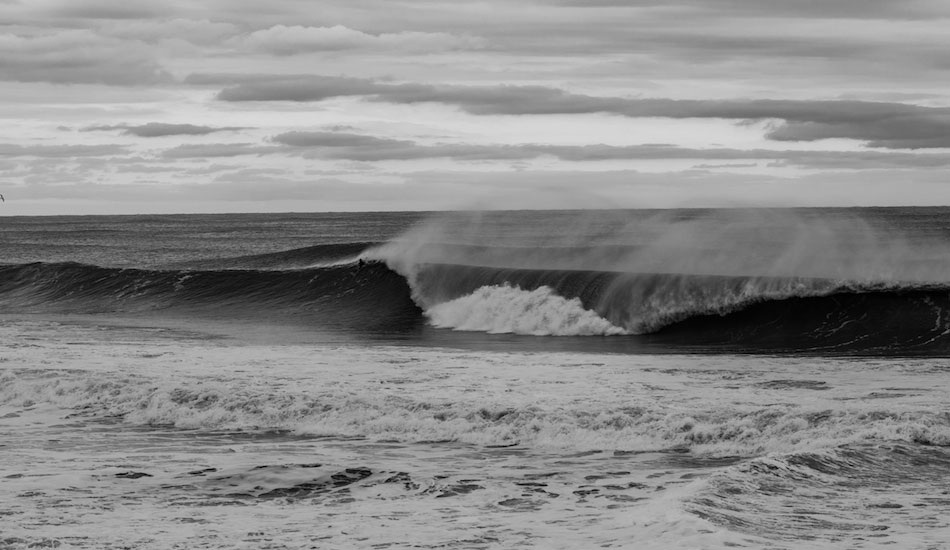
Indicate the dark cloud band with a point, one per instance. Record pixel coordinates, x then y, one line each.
881 124
358 147
59 151
159 129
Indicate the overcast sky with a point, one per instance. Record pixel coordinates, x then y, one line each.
127 106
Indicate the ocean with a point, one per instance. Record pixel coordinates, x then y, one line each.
752 378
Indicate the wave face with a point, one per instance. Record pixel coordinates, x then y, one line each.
348 296
706 281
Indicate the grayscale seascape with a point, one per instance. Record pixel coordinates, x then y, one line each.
477 380
492 275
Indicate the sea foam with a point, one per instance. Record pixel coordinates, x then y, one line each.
507 309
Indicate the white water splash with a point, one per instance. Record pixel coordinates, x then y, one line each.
506 309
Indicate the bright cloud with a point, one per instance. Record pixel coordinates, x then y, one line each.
290 40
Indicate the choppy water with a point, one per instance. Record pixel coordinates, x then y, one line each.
282 381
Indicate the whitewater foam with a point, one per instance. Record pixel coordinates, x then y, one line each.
541 450
574 403
500 309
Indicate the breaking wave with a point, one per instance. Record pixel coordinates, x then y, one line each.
692 283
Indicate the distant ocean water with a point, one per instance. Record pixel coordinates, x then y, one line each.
566 379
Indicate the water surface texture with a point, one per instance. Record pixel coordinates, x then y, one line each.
570 379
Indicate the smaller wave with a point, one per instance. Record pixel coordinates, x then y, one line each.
862 489
501 309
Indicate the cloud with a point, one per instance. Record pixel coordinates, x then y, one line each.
474 99
109 9
290 88
358 147
336 140
454 190
850 9
216 150
59 151
881 124
910 130
78 57
159 129
194 31
290 40
722 39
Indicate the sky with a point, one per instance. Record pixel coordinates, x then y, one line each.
127 106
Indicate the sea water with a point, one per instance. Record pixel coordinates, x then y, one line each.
462 380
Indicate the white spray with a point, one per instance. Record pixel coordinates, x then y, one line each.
775 252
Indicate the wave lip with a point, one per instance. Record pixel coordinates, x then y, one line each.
499 309
323 255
